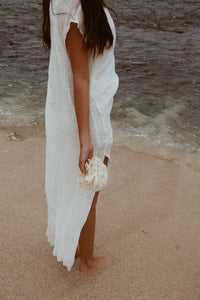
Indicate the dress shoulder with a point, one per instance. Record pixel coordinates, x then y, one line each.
69 11
65 6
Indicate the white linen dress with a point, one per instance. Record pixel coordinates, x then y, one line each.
68 203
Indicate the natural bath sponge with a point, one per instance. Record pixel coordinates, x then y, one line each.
96 175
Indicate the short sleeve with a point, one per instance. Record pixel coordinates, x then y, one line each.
77 18
68 11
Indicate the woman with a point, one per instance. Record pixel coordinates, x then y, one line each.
82 82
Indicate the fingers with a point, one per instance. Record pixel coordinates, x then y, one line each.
82 166
82 160
85 154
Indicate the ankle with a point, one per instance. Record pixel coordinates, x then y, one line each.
87 261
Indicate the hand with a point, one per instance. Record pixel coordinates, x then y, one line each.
86 151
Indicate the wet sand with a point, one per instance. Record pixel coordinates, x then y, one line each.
147 223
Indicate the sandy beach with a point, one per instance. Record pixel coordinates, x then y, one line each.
147 223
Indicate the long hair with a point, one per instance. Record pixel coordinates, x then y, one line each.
97 31
46 35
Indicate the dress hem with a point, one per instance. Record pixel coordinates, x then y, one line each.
61 257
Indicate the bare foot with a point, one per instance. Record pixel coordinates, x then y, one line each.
95 264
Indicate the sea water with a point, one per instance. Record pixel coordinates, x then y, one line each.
157 107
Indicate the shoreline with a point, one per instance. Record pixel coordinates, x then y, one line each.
175 156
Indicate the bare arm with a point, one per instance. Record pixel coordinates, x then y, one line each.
79 61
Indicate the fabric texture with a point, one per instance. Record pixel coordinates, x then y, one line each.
69 203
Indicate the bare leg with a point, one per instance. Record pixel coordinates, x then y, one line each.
86 241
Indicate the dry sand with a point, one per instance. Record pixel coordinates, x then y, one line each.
147 222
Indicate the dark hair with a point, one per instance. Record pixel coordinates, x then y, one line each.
97 34
46 25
